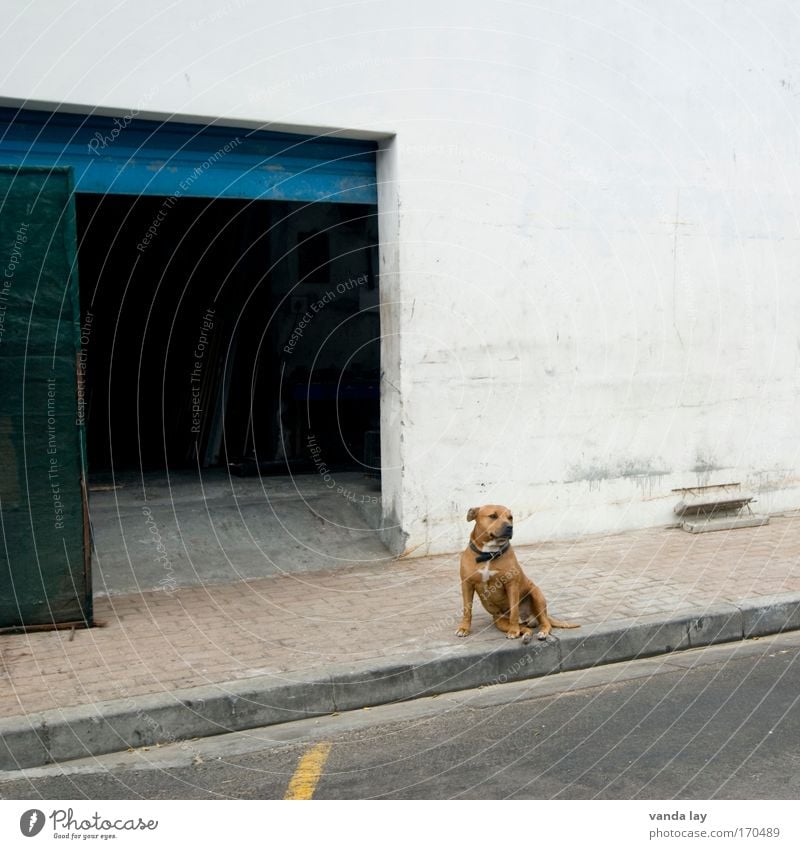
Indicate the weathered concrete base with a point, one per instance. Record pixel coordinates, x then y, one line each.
77 732
699 525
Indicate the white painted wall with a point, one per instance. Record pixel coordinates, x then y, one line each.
589 217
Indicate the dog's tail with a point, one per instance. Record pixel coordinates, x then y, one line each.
557 623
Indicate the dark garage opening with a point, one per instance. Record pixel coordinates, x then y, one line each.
220 331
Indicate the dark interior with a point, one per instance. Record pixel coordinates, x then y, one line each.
229 332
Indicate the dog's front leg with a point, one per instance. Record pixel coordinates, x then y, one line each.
512 591
467 597
540 612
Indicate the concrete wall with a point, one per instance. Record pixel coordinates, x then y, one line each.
588 211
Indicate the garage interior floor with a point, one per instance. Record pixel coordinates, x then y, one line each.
157 532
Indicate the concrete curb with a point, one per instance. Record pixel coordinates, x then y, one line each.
79 732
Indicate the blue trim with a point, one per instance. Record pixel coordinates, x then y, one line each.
133 157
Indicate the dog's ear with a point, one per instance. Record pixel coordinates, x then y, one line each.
472 514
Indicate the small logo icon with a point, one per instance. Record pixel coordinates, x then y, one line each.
31 822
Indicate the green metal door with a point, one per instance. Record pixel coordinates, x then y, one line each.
45 575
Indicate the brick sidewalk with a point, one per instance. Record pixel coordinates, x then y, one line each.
157 641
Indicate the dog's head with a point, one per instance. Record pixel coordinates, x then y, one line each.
492 522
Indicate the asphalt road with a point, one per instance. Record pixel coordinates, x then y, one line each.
718 723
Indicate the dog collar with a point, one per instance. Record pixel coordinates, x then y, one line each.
483 556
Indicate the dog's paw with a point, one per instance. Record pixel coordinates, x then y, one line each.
542 635
462 632
526 637
513 634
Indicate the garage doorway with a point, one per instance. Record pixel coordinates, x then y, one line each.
229 365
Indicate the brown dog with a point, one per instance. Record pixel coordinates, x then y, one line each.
490 568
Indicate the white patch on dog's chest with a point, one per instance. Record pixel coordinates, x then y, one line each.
486 574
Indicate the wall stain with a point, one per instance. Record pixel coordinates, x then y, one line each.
646 475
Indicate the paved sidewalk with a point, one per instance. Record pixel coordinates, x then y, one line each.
299 627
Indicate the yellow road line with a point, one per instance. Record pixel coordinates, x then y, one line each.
308 772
